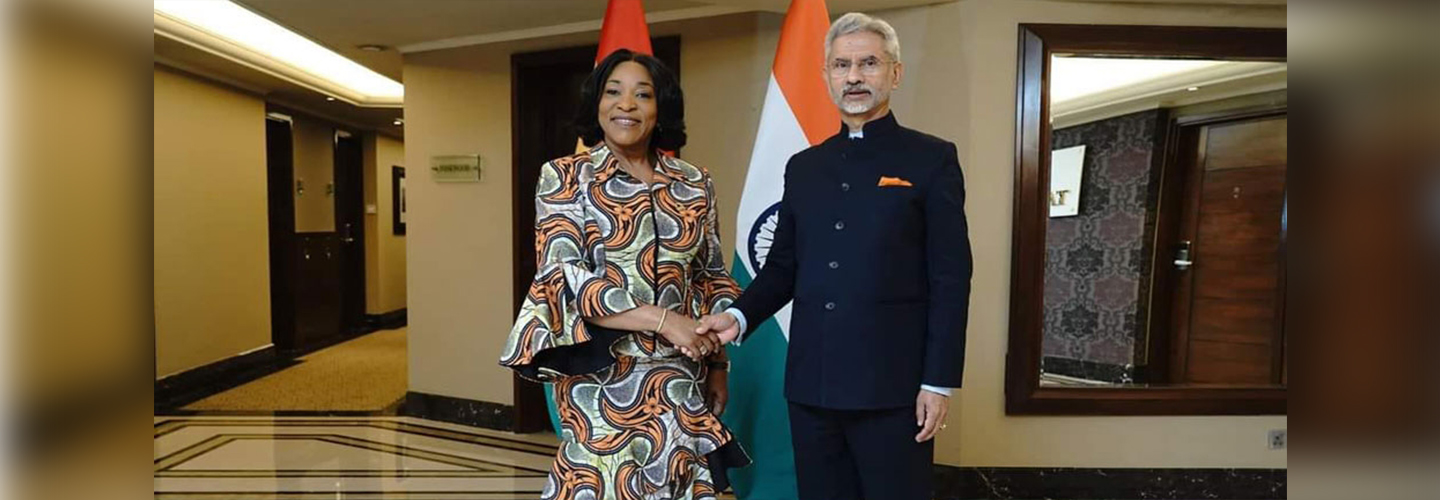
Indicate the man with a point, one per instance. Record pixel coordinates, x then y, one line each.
872 246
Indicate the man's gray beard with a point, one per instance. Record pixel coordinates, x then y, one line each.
855 108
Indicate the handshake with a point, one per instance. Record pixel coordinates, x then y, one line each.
699 339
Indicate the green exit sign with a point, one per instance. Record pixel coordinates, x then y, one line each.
456 168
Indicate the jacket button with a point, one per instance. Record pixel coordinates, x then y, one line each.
829 306
844 156
834 265
840 226
844 186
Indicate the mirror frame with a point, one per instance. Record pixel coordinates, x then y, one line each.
1023 393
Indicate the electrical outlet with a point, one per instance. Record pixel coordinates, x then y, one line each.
1277 439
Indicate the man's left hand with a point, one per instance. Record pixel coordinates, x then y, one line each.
930 411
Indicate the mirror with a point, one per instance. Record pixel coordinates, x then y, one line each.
1151 202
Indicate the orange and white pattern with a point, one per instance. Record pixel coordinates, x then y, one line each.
606 242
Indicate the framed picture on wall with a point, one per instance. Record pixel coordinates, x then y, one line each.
397 196
1066 168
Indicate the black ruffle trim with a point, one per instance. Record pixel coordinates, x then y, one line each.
729 456
577 359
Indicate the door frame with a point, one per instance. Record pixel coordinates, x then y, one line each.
280 179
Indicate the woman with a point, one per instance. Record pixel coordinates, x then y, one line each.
628 256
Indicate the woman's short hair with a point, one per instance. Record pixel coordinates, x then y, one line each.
669 132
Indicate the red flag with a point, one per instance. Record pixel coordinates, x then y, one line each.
624 28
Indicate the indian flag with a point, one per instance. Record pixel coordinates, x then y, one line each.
797 114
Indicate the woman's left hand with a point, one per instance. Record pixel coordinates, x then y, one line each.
717 390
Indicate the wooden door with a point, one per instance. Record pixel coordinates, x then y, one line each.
1229 300
350 224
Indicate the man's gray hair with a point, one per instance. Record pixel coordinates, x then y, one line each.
856 22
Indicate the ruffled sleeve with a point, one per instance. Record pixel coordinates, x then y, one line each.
550 337
711 287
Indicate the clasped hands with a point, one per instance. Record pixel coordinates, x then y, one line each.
698 339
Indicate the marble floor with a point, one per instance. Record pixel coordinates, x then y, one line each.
356 458
351 458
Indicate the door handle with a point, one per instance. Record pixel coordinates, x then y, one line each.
346 236
1182 256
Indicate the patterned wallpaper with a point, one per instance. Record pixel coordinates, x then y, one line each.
1096 261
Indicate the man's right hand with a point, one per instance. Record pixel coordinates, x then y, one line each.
677 329
722 324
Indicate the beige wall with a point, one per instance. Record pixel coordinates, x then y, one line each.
959 85
314 153
77 196
212 279
458 235
384 250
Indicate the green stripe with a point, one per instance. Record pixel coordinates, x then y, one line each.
757 412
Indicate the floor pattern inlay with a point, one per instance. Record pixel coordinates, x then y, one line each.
375 458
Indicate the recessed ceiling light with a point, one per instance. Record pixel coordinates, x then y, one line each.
370 47
230 22
399 122
1192 89
329 98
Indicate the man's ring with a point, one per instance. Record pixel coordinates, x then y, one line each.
942 426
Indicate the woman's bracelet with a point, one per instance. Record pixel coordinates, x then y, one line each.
661 324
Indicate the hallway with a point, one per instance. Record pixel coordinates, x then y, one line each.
367 373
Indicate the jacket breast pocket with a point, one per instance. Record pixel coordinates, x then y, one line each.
896 206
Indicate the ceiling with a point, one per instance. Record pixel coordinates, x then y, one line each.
415 25
344 25
1085 89
276 91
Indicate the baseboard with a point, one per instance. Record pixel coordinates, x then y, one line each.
387 321
971 483
459 411
180 389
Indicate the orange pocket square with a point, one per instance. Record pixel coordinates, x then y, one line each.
894 181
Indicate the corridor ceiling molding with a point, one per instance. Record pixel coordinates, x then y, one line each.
234 33
1085 89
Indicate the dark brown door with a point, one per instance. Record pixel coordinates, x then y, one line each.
280 173
1229 299
546 96
350 224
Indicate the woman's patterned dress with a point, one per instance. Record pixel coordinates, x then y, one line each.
634 423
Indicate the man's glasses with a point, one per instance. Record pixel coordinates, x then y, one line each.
869 66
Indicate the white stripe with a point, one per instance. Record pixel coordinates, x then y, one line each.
779 137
